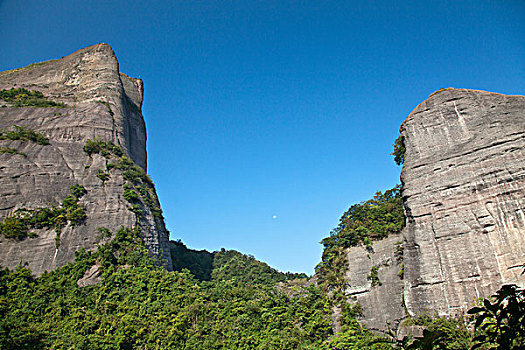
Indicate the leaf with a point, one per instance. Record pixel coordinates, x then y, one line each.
475 310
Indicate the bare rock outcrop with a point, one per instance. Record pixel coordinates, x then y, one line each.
464 196
375 281
101 103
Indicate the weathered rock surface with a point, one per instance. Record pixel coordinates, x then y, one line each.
464 197
382 301
102 103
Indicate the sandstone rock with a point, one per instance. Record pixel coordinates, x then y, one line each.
464 197
91 277
102 103
382 304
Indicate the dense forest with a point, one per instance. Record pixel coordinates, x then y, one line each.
230 301
138 305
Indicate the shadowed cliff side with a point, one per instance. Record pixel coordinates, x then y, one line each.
93 102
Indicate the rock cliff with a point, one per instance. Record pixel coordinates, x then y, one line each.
94 102
380 296
464 197
463 194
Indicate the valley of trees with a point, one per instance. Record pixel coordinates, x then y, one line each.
220 300
138 305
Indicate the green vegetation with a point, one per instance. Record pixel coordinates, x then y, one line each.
20 97
138 305
401 272
131 172
197 262
441 333
232 265
9 150
102 175
399 150
18 224
373 276
130 195
105 103
374 219
22 133
138 182
105 148
226 265
499 324
138 187
78 190
501 321
104 232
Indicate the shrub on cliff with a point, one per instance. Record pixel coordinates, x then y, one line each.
22 133
399 150
105 148
371 220
21 97
19 223
9 150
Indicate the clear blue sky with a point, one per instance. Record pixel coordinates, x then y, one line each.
258 109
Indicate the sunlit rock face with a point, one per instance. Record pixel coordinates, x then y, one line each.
102 103
464 196
380 297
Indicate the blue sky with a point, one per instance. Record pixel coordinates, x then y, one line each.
267 119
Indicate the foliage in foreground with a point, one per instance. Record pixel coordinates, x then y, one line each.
498 323
502 319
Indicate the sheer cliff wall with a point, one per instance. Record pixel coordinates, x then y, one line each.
464 197
463 193
101 103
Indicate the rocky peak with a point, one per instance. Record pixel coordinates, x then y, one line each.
86 77
463 190
100 104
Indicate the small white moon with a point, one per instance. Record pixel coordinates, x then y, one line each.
274 217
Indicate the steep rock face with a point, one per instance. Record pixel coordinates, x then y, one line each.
464 197
101 103
379 295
